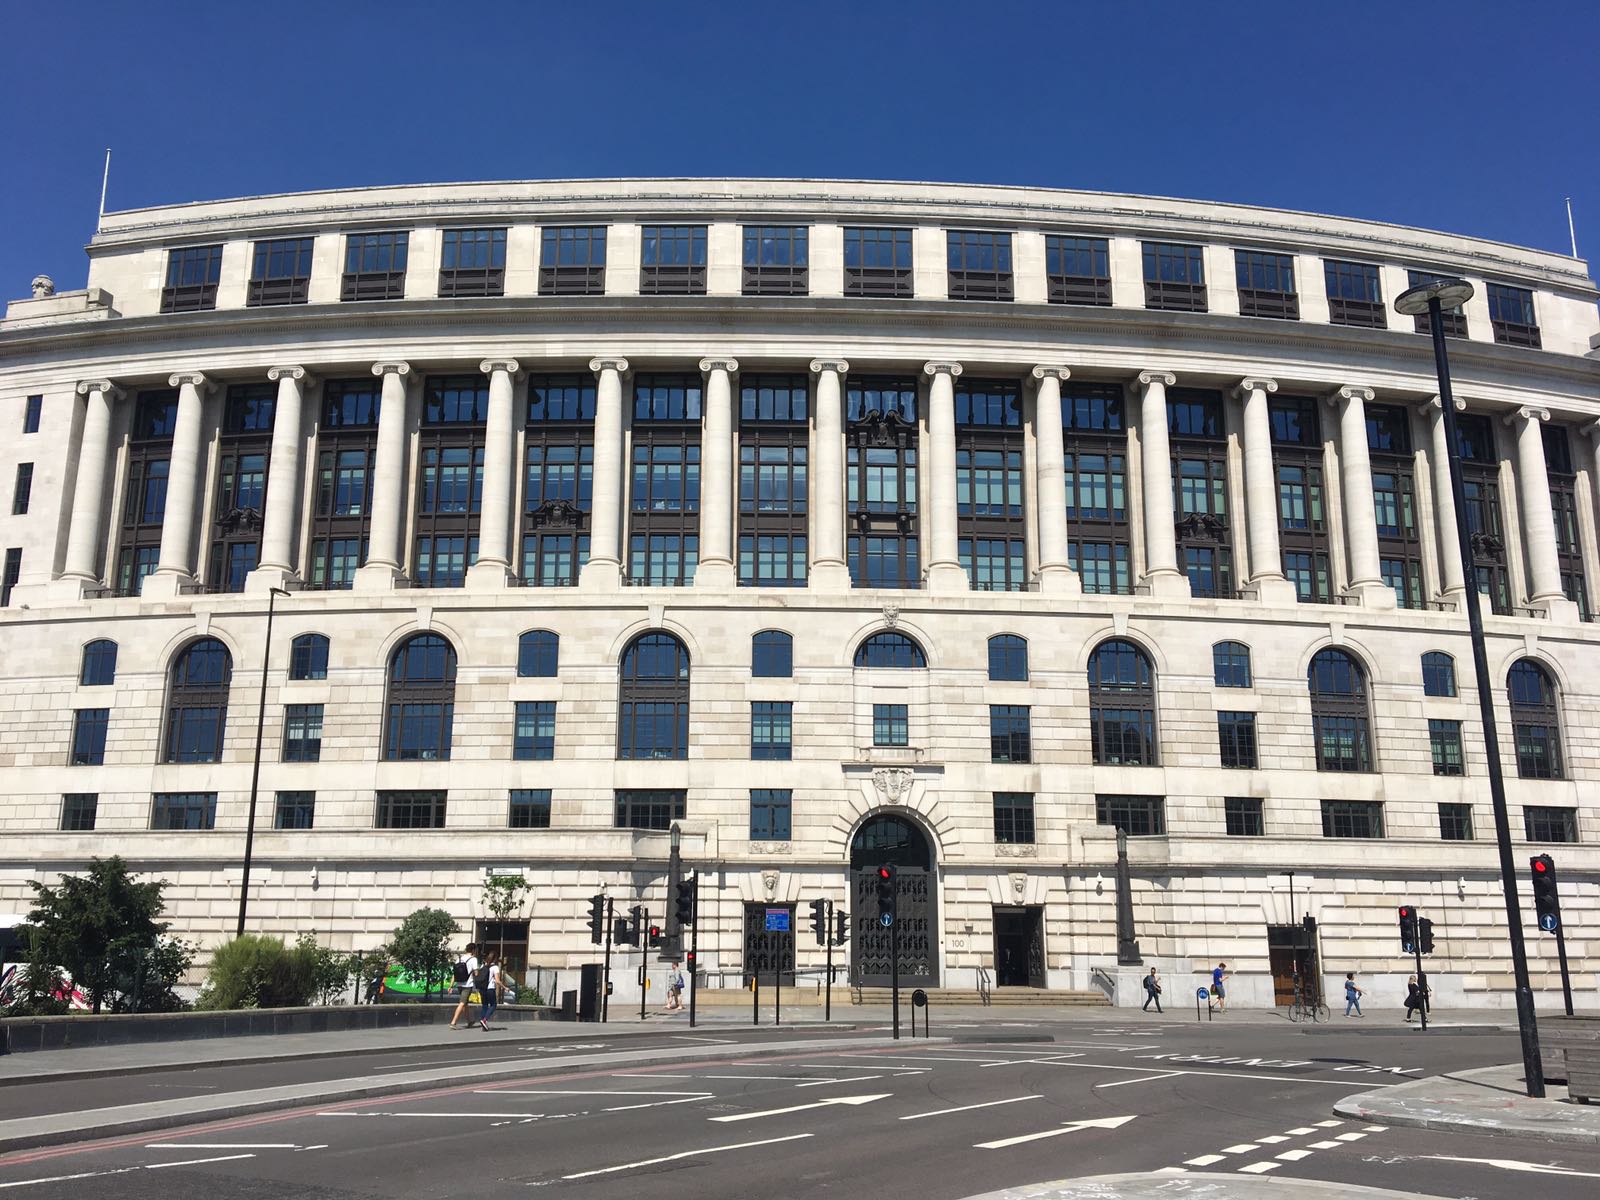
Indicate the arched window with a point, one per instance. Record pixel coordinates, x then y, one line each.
772 655
99 663
308 657
538 654
1008 658
1438 674
1230 664
1535 720
1340 723
890 650
197 702
421 705
1122 704
653 713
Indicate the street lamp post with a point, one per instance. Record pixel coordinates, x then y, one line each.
1432 298
255 770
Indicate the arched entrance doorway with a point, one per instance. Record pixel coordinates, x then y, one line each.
900 841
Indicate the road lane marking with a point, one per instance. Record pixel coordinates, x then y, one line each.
1375 1128
651 1162
1272 1139
851 1079
1300 1132
1146 1079
793 1108
195 1162
222 1146
689 1037
942 1112
1241 1148
1344 1083
1205 1160
351 1113
773 1078
1511 1164
1066 1127
1260 1168
1346 1137
646 1075
15 1183
1054 1058
575 1092
1329 1124
660 1103
1294 1155
1328 1145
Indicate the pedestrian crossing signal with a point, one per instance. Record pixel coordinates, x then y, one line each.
1546 903
886 893
655 937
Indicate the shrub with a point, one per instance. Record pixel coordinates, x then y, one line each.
422 946
255 971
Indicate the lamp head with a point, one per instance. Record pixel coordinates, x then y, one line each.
1451 294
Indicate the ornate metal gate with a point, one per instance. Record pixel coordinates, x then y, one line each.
888 838
769 942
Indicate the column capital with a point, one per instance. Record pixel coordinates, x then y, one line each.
298 374
837 365
85 386
195 379
402 369
1165 378
1059 374
1349 392
707 365
509 365
619 365
952 369
1255 383
1593 430
1528 412
1435 404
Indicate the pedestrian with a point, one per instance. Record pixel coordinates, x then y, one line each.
487 981
466 966
1152 991
1413 997
675 990
1218 992
1352 994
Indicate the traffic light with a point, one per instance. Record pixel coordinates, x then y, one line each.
688 961
597 919
841 927
655 937
1425 935
636 930
886 891
819 921
1546 904
622 932
684 902
1408 929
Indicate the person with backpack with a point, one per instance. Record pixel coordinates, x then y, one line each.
1152 991
675 990
461 975
487 982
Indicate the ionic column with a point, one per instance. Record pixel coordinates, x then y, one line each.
493 568
715 569
603 571
1261 495
1538 517
828 570
276 565
381 572
944 557
175 567
89 490
1161 574
1452 576
1360 513
1055 567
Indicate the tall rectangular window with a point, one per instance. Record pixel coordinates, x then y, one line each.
1444 739
989 485
1200 480
650 808
302 733
246 446
558 483
280 272
1137 816
183 810
1511 316
572 260
1355 297
664 493
771 814
1455 822
529 808
774 462
1480 480
1266 285
1174 277
771 730
375 266
10 574
33 410
149 454
294 810
410 810
22 490
450 483
89 727
1010 733
979 264
881 482
1095 438
672 260
78 811
1545 824
472 262
1013 818
1352 819
1077 270
1236 739
776 260
1564 505
890 725
534 737
1454 319
1242 817
341 512
1395 504
193 273
1302 512
877 262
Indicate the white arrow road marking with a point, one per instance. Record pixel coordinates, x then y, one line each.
940 1112
651 1162
1066 1127
1511 1164
831 1100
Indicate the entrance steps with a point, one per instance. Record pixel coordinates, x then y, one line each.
844 995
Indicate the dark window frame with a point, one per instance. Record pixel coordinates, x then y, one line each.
193 273
1225 665
558 479
1236 740
772 654
979 265
98 667
1455 822
528 808
300 721
1256 272
891 725
89 729
889 649
294 810
682 272
1454 320
198 682
1014 823
1136 815
280 272
1008 658
414 808
1174 276
188 811
653 698
771 730
79 811
475 266
650 808
1077 270
1341 712
771 814
1535 703
308 656
419 700
1122 705
1010 733
1352 819
533 731
341 511
772 532
375 265
776 260
1203 522
882 537
1444 744
1243 816
1355 294
538 654
1512 315
1304 527
572 260
869 271
1550 824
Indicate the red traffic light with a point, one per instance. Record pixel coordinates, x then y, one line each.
1540 866
689 958
885 873
655 931
1405 911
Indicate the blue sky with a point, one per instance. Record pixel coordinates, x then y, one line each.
1312 106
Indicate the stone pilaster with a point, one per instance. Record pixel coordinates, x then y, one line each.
84 534
945 573
716 567
276 565
492 571
1538 516
1055 568
1452 576
1266 582
1360 511
175 568
381 571
603 571
1161 576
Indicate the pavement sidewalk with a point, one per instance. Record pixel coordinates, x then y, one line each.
1193 1185
1490 1100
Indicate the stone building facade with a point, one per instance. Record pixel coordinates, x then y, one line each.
830 522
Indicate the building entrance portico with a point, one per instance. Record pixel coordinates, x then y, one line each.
898 841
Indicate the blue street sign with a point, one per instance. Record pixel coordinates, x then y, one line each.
777 920
1549 922
1202 993
886 919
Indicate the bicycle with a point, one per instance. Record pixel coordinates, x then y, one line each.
1308 1006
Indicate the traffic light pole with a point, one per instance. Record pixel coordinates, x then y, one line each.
694 947
644 957
605 983
1422 980
1566 979
827 993
894 971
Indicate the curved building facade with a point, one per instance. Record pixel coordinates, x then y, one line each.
830 524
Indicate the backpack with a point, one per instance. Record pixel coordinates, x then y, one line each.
480 978
460 974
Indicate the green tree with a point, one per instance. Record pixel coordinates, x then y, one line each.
330 969
99 927
502 897
255 971
422 945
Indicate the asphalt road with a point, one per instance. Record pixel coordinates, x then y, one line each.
931 1119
